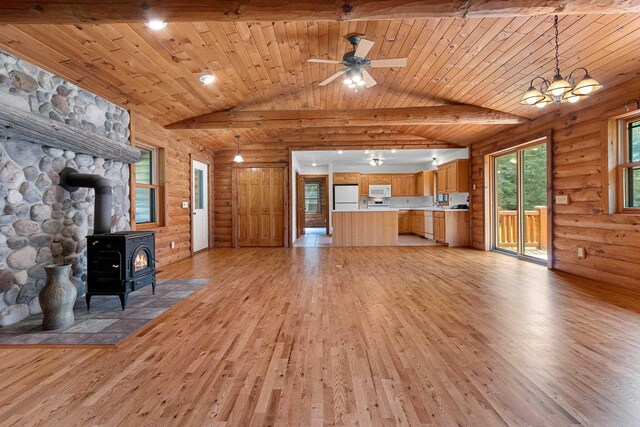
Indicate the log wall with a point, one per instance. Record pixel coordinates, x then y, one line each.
179 151
580 170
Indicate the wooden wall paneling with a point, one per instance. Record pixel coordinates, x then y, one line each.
581 171
178 151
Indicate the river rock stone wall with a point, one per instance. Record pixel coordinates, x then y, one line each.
40 222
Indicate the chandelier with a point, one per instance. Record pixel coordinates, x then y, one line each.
375 162
559 90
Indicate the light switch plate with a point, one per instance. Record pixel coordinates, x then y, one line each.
185 205
562 200
581 252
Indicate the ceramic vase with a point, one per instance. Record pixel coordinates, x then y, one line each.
57 298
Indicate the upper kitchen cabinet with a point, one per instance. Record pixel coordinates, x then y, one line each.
403 185
380 179
346 178
424 183
453 177
363 185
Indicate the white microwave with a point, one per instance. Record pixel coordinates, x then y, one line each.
379 191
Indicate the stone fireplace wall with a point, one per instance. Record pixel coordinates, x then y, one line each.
40 222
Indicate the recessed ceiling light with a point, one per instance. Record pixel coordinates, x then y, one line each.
313 164
367 151
340 151
394 150
156 25
207 79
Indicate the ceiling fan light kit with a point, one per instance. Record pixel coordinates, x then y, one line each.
355 63
559 90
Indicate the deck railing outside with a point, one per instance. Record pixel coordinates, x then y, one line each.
535 228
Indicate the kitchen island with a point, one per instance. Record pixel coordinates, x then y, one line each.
381 227
365 227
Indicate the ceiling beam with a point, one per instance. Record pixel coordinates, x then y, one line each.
344 137
113 11
410 116
345 145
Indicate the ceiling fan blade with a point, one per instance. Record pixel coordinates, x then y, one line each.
333 77
368 80
323 61
363 48
396 62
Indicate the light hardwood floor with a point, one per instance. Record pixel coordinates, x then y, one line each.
368 336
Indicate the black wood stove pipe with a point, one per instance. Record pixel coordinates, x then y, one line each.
71 180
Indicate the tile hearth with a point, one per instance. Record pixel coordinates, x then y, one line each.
106 323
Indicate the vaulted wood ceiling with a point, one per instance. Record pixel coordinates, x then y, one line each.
486 62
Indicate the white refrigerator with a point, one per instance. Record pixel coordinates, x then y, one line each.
345 197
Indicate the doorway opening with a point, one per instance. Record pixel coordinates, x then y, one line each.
313 205
520 200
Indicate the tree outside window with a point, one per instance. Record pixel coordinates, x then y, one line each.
631 165
311 198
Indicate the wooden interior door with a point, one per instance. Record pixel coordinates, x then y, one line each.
260 210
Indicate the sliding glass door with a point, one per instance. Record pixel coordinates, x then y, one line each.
520 202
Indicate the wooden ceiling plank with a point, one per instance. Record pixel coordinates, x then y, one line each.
79 11
570 58
436 43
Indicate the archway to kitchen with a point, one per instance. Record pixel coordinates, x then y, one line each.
387 196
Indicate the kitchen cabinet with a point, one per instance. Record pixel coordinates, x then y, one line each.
404 222
380 179
451 227
403 185
453 177
439 232
346 178
363 185
417 223
424 183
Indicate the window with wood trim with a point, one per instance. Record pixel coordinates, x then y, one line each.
311 198
629 166
148 191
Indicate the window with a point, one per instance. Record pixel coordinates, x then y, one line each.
148 190
629 166
311 198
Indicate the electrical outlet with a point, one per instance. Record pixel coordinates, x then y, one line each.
173 245
581 252
562 200
185 205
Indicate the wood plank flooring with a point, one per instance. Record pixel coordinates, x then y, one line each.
352 336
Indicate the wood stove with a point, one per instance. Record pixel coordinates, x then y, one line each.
119 263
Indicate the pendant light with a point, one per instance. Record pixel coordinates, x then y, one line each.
238 158
375 162
559 89
435 162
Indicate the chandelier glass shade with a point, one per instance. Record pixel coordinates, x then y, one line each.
559 90
375 162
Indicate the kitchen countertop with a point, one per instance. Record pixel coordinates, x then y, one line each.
428 208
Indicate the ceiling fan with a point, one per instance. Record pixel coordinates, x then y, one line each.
355 63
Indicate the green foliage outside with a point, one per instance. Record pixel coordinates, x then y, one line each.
634 156
534 179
